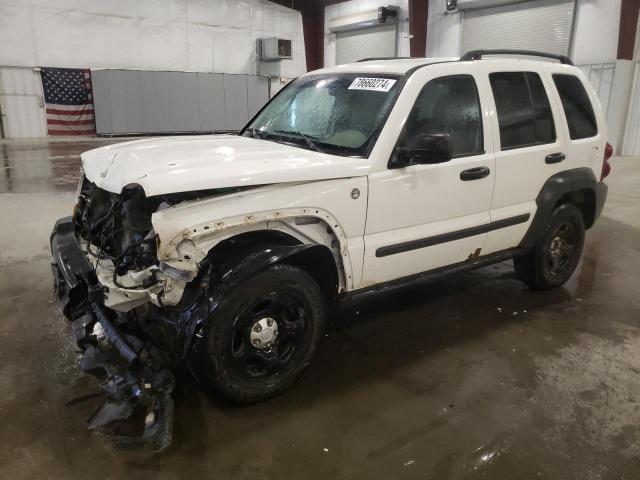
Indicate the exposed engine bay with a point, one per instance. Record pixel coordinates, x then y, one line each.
117 236
119 226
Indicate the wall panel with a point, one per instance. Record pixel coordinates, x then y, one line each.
124 96
155 102
211 93
235 101
185 107
601 77
132 101
21 103
257 93
631 142
102 101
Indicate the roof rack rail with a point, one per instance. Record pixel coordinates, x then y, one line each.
478 54
387 58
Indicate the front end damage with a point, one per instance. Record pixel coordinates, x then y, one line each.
111 287
138 305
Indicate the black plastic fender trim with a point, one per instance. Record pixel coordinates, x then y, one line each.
259 259
554 188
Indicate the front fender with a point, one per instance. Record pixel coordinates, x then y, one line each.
329 203
235 272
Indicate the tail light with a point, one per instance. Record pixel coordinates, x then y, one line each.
606 167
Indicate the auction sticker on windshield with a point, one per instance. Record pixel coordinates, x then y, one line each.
376 84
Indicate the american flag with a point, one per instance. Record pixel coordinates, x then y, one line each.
69 101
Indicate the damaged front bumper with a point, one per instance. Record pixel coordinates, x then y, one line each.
131 371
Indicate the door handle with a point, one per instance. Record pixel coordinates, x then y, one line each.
554 157
474 173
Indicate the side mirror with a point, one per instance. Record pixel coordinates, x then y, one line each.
426 148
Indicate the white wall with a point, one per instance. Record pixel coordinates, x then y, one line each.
184 35
596 28
595 38
353 7
444 31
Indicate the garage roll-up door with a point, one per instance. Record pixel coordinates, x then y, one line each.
355 45
543 25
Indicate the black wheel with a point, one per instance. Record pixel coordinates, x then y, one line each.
557 253
262 336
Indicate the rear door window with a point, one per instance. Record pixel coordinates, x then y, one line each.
524 114
577 106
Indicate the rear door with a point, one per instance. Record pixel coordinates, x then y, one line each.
530 146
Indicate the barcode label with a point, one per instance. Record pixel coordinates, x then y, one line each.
376 84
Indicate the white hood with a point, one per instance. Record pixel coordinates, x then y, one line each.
180 164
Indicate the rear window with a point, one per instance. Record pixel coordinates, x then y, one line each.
577 106
524 114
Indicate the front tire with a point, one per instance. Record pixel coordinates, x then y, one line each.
557 253
263 335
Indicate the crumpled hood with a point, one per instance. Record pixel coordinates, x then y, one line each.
180 164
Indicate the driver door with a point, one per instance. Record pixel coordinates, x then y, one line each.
425 216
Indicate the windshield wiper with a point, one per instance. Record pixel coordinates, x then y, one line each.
310 143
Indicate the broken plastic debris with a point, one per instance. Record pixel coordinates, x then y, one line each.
150 418
410 462
325 449
499 309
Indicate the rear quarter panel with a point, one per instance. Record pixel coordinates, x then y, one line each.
586 152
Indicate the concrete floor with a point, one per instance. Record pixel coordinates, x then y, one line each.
473 376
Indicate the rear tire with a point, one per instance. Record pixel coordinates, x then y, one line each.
556 254
262 337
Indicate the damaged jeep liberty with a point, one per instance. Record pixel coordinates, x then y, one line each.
227 253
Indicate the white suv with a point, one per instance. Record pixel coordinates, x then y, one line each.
228 252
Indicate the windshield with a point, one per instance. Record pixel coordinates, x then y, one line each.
338 114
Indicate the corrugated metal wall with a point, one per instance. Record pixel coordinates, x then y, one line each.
624 125
542 25
133 101
355 45
21 103
631 142
601 77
